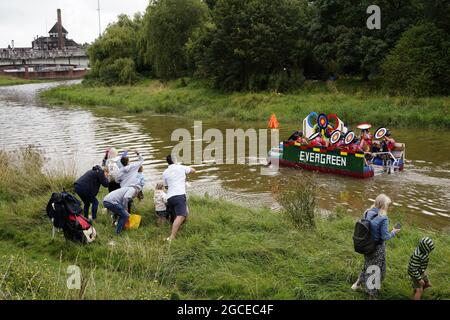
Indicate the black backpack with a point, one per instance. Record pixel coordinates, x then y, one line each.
65 211
362 238
60 206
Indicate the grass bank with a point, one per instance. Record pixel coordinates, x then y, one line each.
351 99
12 81
224 252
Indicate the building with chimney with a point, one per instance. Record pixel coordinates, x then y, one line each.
57 38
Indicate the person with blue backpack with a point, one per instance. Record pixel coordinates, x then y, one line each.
369 238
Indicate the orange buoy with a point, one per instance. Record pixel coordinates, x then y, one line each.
273 122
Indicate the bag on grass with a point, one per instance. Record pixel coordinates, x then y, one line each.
65 210
134 221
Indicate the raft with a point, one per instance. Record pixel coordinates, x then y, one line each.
336 160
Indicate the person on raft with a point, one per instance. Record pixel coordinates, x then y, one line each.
298 137
318 141
379 224
365 141
118 202
88 186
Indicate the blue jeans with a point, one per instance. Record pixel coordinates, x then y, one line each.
120 211
87 201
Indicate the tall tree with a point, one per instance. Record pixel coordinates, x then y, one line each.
254 44
114 56
167 26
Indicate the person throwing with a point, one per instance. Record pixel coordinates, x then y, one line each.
174 178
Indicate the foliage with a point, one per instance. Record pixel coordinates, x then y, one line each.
167 26
259 44
420 62
253 45
114 56
349 98
299 201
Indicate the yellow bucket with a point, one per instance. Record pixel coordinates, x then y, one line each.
134 221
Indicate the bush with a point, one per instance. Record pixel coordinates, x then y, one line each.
299 202
420 62
21 175
121 71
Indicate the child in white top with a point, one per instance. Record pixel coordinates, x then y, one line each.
160 200
140 177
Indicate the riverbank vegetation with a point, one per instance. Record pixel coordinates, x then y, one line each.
188 97
12 81
277 45
244 60
223 252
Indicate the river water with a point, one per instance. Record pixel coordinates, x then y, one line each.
74 139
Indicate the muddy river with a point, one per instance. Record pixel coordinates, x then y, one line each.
74 139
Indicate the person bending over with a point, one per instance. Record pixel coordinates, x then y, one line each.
88 186
417 267
117 201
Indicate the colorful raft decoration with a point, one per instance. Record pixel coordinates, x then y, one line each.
335 136
380 133
313 136
349 137
343 160
364 126
273 122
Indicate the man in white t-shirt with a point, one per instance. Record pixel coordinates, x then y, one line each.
174 178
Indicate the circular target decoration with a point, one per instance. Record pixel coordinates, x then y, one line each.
308 119
349 137
336 122
364 126
335 136
313 136
380 133
322 121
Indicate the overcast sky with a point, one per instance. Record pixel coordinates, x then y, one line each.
21 20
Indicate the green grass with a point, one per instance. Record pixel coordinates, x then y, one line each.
224 252
12 81
352 100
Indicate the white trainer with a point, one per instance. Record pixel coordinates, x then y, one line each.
356 286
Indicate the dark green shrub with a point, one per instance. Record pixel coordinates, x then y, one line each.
420 62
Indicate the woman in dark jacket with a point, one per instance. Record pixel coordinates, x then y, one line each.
88 186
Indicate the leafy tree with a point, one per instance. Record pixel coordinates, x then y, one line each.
253 45
167 26
420 62
372 51
113 56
